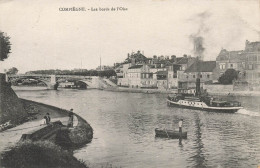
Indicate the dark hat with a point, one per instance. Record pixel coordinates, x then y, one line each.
71 109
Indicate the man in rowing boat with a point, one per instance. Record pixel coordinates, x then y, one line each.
180 127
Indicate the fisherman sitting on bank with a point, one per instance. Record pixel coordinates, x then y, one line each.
46 119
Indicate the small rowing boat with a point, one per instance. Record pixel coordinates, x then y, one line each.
166 133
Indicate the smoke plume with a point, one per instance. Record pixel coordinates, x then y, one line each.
198 38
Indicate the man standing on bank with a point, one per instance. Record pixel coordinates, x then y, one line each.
70 123
180 127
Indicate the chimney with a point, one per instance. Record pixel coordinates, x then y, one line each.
161 57
173 57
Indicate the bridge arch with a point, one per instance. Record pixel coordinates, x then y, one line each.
43 80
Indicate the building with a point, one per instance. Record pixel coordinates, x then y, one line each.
252 65
205 70
230 60
162 82
172 76
134 76
122 75
246 61
141 76
185 62
161 72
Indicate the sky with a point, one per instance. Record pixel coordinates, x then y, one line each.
43 37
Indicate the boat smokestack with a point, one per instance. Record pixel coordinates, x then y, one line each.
197 86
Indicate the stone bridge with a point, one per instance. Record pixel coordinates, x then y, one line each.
52 81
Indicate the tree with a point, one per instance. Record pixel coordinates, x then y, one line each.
5 46
12 71
228 76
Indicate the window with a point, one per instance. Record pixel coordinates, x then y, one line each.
208 76
193 76
200 76
187 76
222 66
243 64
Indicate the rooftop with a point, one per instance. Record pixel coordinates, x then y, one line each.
202 66
135 67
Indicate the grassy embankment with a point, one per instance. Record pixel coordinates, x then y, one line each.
41 154
11 108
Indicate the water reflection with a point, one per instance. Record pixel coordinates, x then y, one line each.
198 156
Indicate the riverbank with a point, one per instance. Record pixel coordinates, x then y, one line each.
76 137
139 90
236 93
79 135
157 91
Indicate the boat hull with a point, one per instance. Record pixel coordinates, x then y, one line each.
170 134
204 107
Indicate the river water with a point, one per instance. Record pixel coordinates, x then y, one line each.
124 125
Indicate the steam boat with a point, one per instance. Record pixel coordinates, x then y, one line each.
202 101
206 103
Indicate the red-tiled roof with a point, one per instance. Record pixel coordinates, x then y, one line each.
202 66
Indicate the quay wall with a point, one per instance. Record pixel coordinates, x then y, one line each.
218 88
138 90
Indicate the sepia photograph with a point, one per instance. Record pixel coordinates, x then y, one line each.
130 84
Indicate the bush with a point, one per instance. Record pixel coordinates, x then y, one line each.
228 76
39 154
